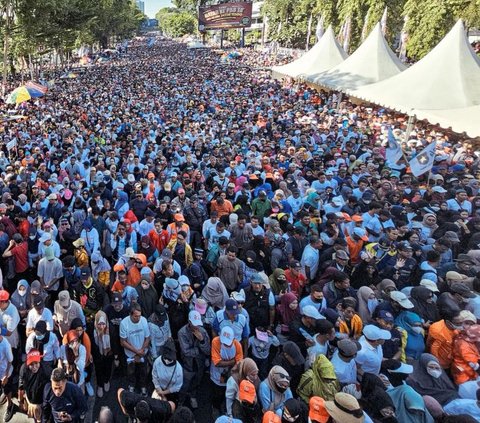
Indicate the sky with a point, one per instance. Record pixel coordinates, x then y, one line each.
153 6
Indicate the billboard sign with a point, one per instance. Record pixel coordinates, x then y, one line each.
225 16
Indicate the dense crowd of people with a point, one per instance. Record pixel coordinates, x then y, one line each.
181 220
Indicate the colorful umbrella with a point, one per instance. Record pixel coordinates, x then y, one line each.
18 95
69 75
36 90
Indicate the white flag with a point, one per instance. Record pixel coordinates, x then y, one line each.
403 41
347 33
320 28
423 162
11 144
365 26
394 150
383 22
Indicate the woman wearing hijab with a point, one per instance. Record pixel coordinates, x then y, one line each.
215 293
466 359
295 411
147 296
21 300
102 353
367 302
275 390
384 288
424 306
148 249
129 296
287 310
176 304
409 404
429 225
101 269
250 268
245 369
375 400
320 381
430 379
365 274
413 325
160 332
278 282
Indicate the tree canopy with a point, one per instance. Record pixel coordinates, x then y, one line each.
427 21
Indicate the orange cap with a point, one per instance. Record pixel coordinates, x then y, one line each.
179 217
357 218
247 392
347 217
271 417
318 412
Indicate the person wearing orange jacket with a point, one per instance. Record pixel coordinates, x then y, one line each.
135 273
440 338
466 361
159 237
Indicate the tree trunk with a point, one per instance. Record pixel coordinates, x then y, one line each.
309 32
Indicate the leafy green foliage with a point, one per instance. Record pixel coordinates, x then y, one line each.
176 22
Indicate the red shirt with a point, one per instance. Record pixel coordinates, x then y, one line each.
20 254
296 282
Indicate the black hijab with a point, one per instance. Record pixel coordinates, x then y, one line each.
442 388
374 397
427 311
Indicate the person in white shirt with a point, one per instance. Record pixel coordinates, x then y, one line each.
37 313
9 320
369 358
135 339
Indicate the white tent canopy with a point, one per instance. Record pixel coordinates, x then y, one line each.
463 120
324 55
196 44
446 78
373 61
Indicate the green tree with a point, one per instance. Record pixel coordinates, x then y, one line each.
176 23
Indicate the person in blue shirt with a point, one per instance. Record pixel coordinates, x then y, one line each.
232 316
275 390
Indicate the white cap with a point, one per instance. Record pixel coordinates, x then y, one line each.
194 318
374 333
401 299
311 311
427 283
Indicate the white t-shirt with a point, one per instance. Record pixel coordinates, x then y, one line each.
369 358
10 319
50 270
33 318
134 333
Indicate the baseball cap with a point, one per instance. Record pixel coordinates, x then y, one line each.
239 296
386 315
231 306
129 253
4 295
33 356
427 283
348 347
64 298
311 311
462 289
52 196
403 368
374 333
401 299
194 318
361 233
37 301
179 217
171 283
357 218
45 237
295 264
117 298
317 411
200 305
227 336
271 417
404 245
166 254
341 254
85 273
455 276
247 392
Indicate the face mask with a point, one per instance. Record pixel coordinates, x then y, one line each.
372 304
436 373
145 286
286 418
32 237
408 190
185 288
72 345
317 300
22 293
418 330
281 390
39 337
167 362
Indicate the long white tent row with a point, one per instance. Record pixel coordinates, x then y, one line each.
446 78
373 61
442 88
324 55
